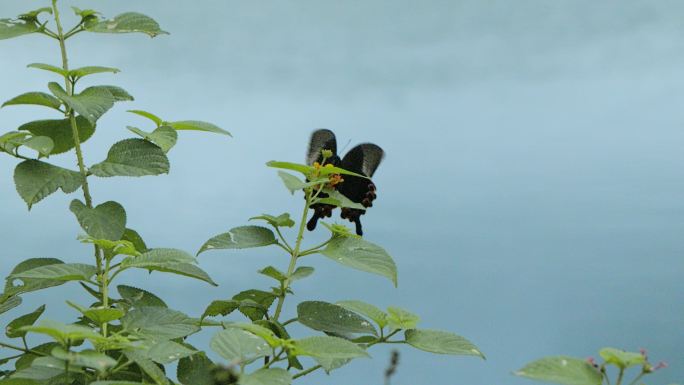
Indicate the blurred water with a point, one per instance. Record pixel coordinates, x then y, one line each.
532 192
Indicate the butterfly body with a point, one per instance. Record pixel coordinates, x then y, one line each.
363 159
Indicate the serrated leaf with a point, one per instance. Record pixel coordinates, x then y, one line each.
9 303
330 318
11 141
26 285
220 307
128 22
36 99
149 367
441 342
60 132
91 103
132 157
35 180
138 297
59 272
42 144
236 345
194 125
165 137
292 183
302 168
328 350
282 220
268 376
12 328
120 247
104 221
399 318
170 261
264 333
254 303
166 352
336 198
158 323
91 70
135 238
240 238
13 28
360 254
363 308
195 370
562 370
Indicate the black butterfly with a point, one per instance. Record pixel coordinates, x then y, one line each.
363 159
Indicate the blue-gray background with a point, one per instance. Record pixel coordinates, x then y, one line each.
532 195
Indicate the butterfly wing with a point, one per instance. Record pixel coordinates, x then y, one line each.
321 139
363 159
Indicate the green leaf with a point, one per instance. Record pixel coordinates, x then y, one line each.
91 70
301 273
33 15
254 303
42 144
401 319
135 238
169 261
119 94
88 358
328 350
621 358
304 169
36 99
274 273
194 125
149 367
292 183
562 370
13 28
12 328
240 238
60 132
9 303
99 315
48 67
330 318
132 157
264 333
166 352
115 383
128 22
35 180
157 120
165 137
335 198
18 381
360 254
195 370
139 297
268 376
158 323
59 272
64 334
282 220
370 311
91 103
26 285
112 248
105 221
441 342
11 141
236 345
45 368
220 307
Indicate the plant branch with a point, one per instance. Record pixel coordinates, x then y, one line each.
307 371
18 348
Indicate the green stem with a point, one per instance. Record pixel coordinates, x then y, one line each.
66 366
77 146
105 293
314 249
307 371
293 257
620 375
9 346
